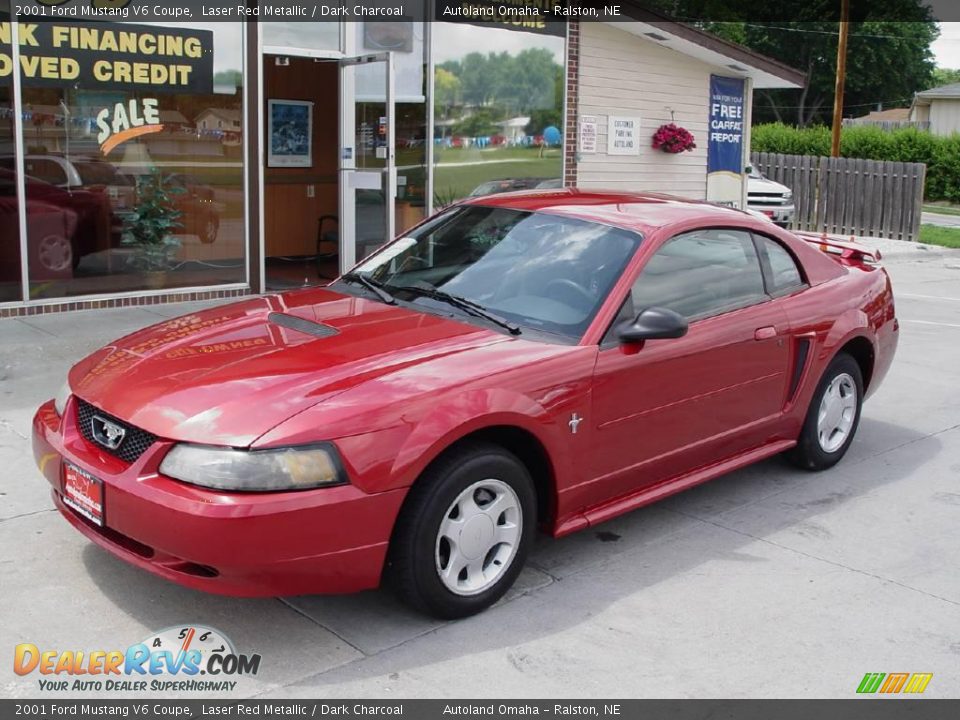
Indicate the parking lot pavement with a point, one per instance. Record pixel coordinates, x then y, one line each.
769 582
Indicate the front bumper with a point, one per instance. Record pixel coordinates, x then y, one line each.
780 214
328 540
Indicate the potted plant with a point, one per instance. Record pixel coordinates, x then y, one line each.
671 138
149 228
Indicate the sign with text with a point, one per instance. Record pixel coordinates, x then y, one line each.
111 56
725 179
623 135
587 135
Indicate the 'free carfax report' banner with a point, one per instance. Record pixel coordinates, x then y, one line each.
725 142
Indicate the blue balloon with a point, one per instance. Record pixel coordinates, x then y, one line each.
551 135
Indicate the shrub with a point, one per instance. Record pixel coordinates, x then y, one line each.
940 154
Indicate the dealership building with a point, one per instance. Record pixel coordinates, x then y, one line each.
152 162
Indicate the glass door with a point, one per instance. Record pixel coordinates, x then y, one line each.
368 173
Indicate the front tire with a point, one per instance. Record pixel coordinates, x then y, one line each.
464 532
833 416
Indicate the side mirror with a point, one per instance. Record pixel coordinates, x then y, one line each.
654 323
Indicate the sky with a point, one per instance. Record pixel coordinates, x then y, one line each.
946 49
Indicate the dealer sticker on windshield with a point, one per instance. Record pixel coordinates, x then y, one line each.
83 492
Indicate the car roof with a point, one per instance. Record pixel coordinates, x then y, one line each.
637 211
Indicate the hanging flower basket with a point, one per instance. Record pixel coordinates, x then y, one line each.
672 138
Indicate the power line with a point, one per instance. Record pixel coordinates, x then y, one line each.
816 32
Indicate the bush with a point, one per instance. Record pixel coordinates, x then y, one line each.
940 154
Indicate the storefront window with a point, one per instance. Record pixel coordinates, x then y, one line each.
138 157
498 110
10 277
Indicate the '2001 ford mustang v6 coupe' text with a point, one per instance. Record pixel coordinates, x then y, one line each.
542 359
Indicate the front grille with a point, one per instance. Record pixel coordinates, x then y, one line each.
135 442
766 199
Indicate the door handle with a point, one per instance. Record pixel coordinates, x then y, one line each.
765 333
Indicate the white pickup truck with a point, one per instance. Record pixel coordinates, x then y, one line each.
769 198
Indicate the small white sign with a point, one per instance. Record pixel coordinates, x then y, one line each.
587 142
623 135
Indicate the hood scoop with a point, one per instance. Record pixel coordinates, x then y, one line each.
308 327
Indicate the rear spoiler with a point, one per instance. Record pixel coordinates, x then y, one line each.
845 249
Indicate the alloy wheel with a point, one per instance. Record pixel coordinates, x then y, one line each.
838 410
478 537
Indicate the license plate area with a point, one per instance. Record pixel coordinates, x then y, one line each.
83 492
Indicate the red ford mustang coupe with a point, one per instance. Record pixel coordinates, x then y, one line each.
543 359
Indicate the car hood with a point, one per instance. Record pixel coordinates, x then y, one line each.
229 374
762 185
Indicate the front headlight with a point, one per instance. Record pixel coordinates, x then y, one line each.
60 401
788 195
291 468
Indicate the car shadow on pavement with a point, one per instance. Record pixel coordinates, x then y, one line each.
567 580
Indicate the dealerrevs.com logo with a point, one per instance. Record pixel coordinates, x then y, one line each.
192 658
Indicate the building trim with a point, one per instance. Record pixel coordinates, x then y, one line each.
136 298
633 10
571 105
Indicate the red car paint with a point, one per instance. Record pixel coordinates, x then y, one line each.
396 387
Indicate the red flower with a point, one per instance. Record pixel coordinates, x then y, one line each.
672 138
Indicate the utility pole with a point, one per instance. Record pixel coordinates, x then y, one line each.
841 77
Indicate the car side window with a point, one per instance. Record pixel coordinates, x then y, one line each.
784 275
47 170
702 273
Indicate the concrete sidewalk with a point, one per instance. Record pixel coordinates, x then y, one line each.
769 582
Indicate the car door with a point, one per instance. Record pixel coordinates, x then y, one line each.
666 407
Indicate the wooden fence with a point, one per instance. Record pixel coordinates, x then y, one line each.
849 196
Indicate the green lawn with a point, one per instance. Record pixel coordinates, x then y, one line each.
942 209
459 170
944 236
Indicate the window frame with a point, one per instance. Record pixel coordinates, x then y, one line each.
767 267
609 340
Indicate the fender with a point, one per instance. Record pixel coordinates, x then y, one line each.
476 410
851 324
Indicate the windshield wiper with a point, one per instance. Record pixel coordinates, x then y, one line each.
371 285
464 304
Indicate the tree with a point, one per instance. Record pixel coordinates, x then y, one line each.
944 76
446 92
888 55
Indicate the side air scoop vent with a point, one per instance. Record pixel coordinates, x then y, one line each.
301 325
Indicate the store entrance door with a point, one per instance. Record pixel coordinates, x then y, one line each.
301 190
368 172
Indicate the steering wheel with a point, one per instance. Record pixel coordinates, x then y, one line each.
567 288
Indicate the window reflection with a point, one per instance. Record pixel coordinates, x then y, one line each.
10 277
136 185
498 109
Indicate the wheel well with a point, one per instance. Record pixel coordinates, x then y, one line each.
530 451
861 350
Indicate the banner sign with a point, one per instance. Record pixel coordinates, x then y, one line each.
725 146
725 179
111 56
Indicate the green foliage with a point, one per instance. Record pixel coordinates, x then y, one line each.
888 51
149 228
944 76
518 84
940 154
480 122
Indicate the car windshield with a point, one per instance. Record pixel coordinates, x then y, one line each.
99 173
541 271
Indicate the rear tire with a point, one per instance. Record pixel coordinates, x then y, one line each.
464 532
833 417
